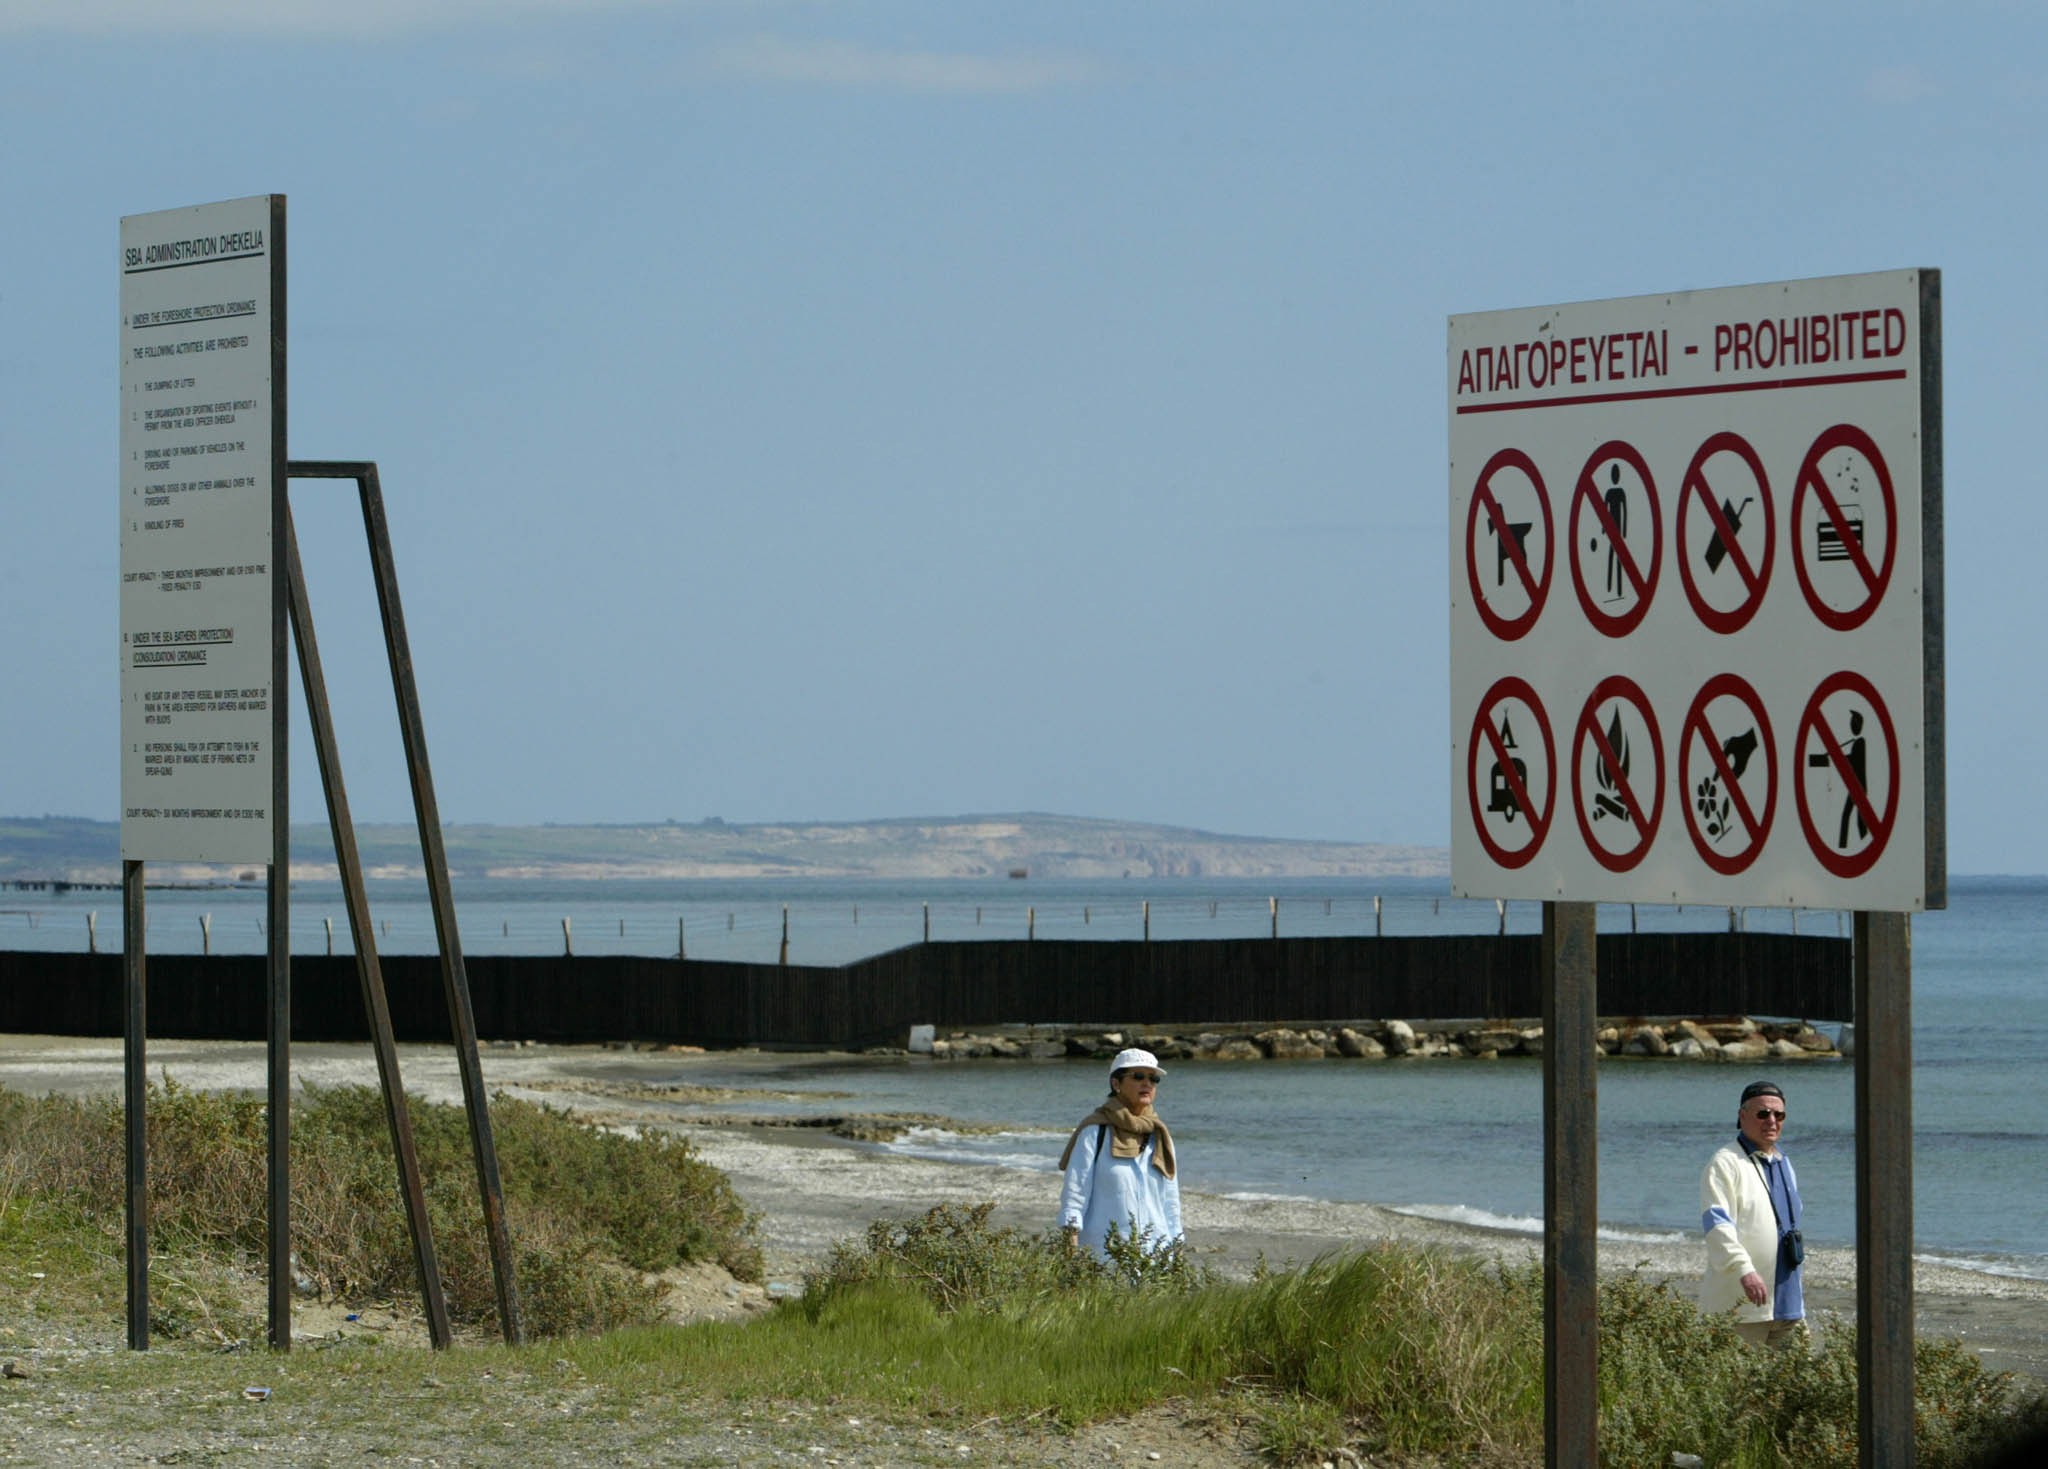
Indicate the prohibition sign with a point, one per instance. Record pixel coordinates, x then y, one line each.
1617 624
1511 553
1508 777
1625 803
1852 766
1725 756
1846 536
1725 541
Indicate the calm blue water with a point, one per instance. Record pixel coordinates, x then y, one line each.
1457 1139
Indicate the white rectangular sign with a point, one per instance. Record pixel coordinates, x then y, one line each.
201 459
1696 597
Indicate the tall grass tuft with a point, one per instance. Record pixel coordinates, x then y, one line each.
588 1210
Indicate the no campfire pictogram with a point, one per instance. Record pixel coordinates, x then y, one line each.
1508 544
1844 772
1616 554
1845 527
1731 791
1617 759
1724 555
1512 802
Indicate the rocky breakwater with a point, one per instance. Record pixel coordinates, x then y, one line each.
1734 1038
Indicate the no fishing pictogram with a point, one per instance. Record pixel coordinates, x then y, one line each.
1630 528
1608 778
1832 549
1510 601
1740 534
1849 759
1519 792
1728 724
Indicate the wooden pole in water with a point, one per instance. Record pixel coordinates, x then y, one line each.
206 933
783 957
1273 914
681 952
567 947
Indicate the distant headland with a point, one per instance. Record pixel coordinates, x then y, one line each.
1034 844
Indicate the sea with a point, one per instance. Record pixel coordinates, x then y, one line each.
1452 1140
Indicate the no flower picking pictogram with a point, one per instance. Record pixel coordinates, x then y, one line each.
1731 793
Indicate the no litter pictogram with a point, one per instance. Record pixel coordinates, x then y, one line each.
1844 548
1735 540
1837 759
1625 543
1510 580
1610 774
1513 803
1728 820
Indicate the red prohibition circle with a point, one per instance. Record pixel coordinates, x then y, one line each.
1695 489
1507 629
1875 578
1759 826
1484 736
1848 864
1613 624
1616 686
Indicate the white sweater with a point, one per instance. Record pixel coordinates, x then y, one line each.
1742 1233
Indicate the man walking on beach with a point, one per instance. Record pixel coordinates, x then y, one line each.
1750 1212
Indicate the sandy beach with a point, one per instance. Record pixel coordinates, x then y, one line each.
812 1189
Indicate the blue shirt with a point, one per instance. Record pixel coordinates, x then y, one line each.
1127 1192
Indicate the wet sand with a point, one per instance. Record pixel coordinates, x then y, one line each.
812 1189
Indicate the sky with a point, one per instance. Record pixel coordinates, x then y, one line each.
791 410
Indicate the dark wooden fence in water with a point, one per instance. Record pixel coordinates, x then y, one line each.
875 1001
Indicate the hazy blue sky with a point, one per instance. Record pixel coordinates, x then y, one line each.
810 410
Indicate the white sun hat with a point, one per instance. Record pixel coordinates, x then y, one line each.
1132 1059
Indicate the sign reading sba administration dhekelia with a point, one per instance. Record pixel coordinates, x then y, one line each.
1738 698
202 505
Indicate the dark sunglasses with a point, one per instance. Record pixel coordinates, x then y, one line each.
1765 1114
1147 1076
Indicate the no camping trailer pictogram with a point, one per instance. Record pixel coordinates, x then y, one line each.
1731 790
1508 553
1620 547
1617 759
1845 527
1725 553
1513 801
1846 762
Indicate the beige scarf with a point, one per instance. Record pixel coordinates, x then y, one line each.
1127 1130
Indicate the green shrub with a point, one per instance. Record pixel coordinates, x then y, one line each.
952 1255
588 1210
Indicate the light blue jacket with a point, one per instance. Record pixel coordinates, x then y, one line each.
1127 1192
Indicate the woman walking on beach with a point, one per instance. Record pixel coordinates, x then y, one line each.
1119 1164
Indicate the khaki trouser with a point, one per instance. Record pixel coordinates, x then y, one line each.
1771 1333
